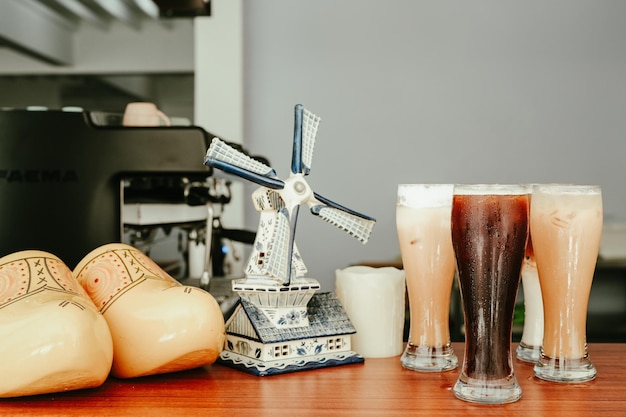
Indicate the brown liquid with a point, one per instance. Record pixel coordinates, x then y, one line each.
489 234
530 252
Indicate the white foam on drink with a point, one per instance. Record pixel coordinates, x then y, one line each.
569 189
425 195
492 189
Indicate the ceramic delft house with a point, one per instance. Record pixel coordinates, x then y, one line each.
281 324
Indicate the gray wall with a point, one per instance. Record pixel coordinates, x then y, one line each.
435 91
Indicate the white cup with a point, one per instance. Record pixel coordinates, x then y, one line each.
144 114
374 299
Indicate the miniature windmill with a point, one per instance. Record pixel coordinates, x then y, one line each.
275 280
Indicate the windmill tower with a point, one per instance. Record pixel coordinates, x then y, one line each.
275 282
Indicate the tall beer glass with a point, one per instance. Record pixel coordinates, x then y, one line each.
489 233
532 334
423 225
566 225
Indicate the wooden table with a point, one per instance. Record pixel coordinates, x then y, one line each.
379 387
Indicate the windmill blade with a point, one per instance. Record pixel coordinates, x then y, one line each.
293 220
331 203
310 123
355 224
304 135
222 156
220 151
278 263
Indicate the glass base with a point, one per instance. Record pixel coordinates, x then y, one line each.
564 370
527 353
429 359
501 391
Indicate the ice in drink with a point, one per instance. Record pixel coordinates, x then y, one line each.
489 233
566 224
423 226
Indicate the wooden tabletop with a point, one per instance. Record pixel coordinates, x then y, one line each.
378 387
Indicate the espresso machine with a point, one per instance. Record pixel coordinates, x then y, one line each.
71 181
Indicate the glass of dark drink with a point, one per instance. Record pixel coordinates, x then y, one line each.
489 233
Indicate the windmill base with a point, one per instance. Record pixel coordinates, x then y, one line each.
267 368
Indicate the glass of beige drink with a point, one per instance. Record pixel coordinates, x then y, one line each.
423 225
532 334
566 226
